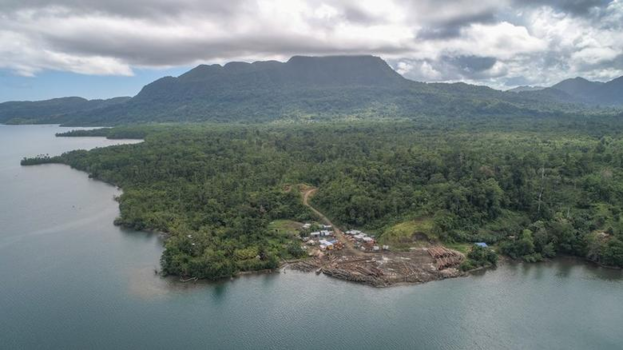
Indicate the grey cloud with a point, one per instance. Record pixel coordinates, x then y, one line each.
448 68
517 81
181 52
354 14
138 49
442 43
471 64
452 28
591 68
135 8
575 7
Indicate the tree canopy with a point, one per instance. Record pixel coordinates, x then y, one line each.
538 187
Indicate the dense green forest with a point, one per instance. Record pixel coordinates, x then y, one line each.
534 187
51 111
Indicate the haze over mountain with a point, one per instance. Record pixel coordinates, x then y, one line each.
592 92
47 110
610 93
577 86
306 88
526 88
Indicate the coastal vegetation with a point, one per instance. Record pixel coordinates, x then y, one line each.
535 187
40 159
479 257
137 133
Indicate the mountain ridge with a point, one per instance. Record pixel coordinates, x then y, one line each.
304 87
46 111
591 92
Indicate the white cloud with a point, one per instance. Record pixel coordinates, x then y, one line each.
486 41
595 55
20 54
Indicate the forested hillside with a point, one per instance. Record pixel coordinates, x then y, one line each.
535 187
585 91
51 111
301 89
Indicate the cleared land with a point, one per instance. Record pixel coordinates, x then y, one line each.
382 268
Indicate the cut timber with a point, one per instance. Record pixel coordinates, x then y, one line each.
445 258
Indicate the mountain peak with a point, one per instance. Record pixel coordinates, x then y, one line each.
592 92
616 81
577 86
201 71
342 70
299 70
238 66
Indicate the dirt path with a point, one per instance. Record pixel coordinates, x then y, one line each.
348 245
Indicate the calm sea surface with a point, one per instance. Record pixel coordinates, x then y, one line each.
69 279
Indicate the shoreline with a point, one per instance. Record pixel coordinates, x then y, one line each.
178 279
334 273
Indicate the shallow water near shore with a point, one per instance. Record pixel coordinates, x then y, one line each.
70 279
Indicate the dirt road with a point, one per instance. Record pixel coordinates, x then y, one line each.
348 245
380 269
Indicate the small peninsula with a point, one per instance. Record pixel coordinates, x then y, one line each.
220 191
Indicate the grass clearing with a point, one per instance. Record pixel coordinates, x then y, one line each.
460 247
285 227
409 233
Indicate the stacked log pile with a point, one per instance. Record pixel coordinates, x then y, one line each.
433 264
445 258
370 270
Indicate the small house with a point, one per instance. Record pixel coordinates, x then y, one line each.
315 234
324 244
481 244
306 226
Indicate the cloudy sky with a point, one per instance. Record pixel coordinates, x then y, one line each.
96 48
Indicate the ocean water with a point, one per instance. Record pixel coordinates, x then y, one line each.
70 279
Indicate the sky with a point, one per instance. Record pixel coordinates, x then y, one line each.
102 49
